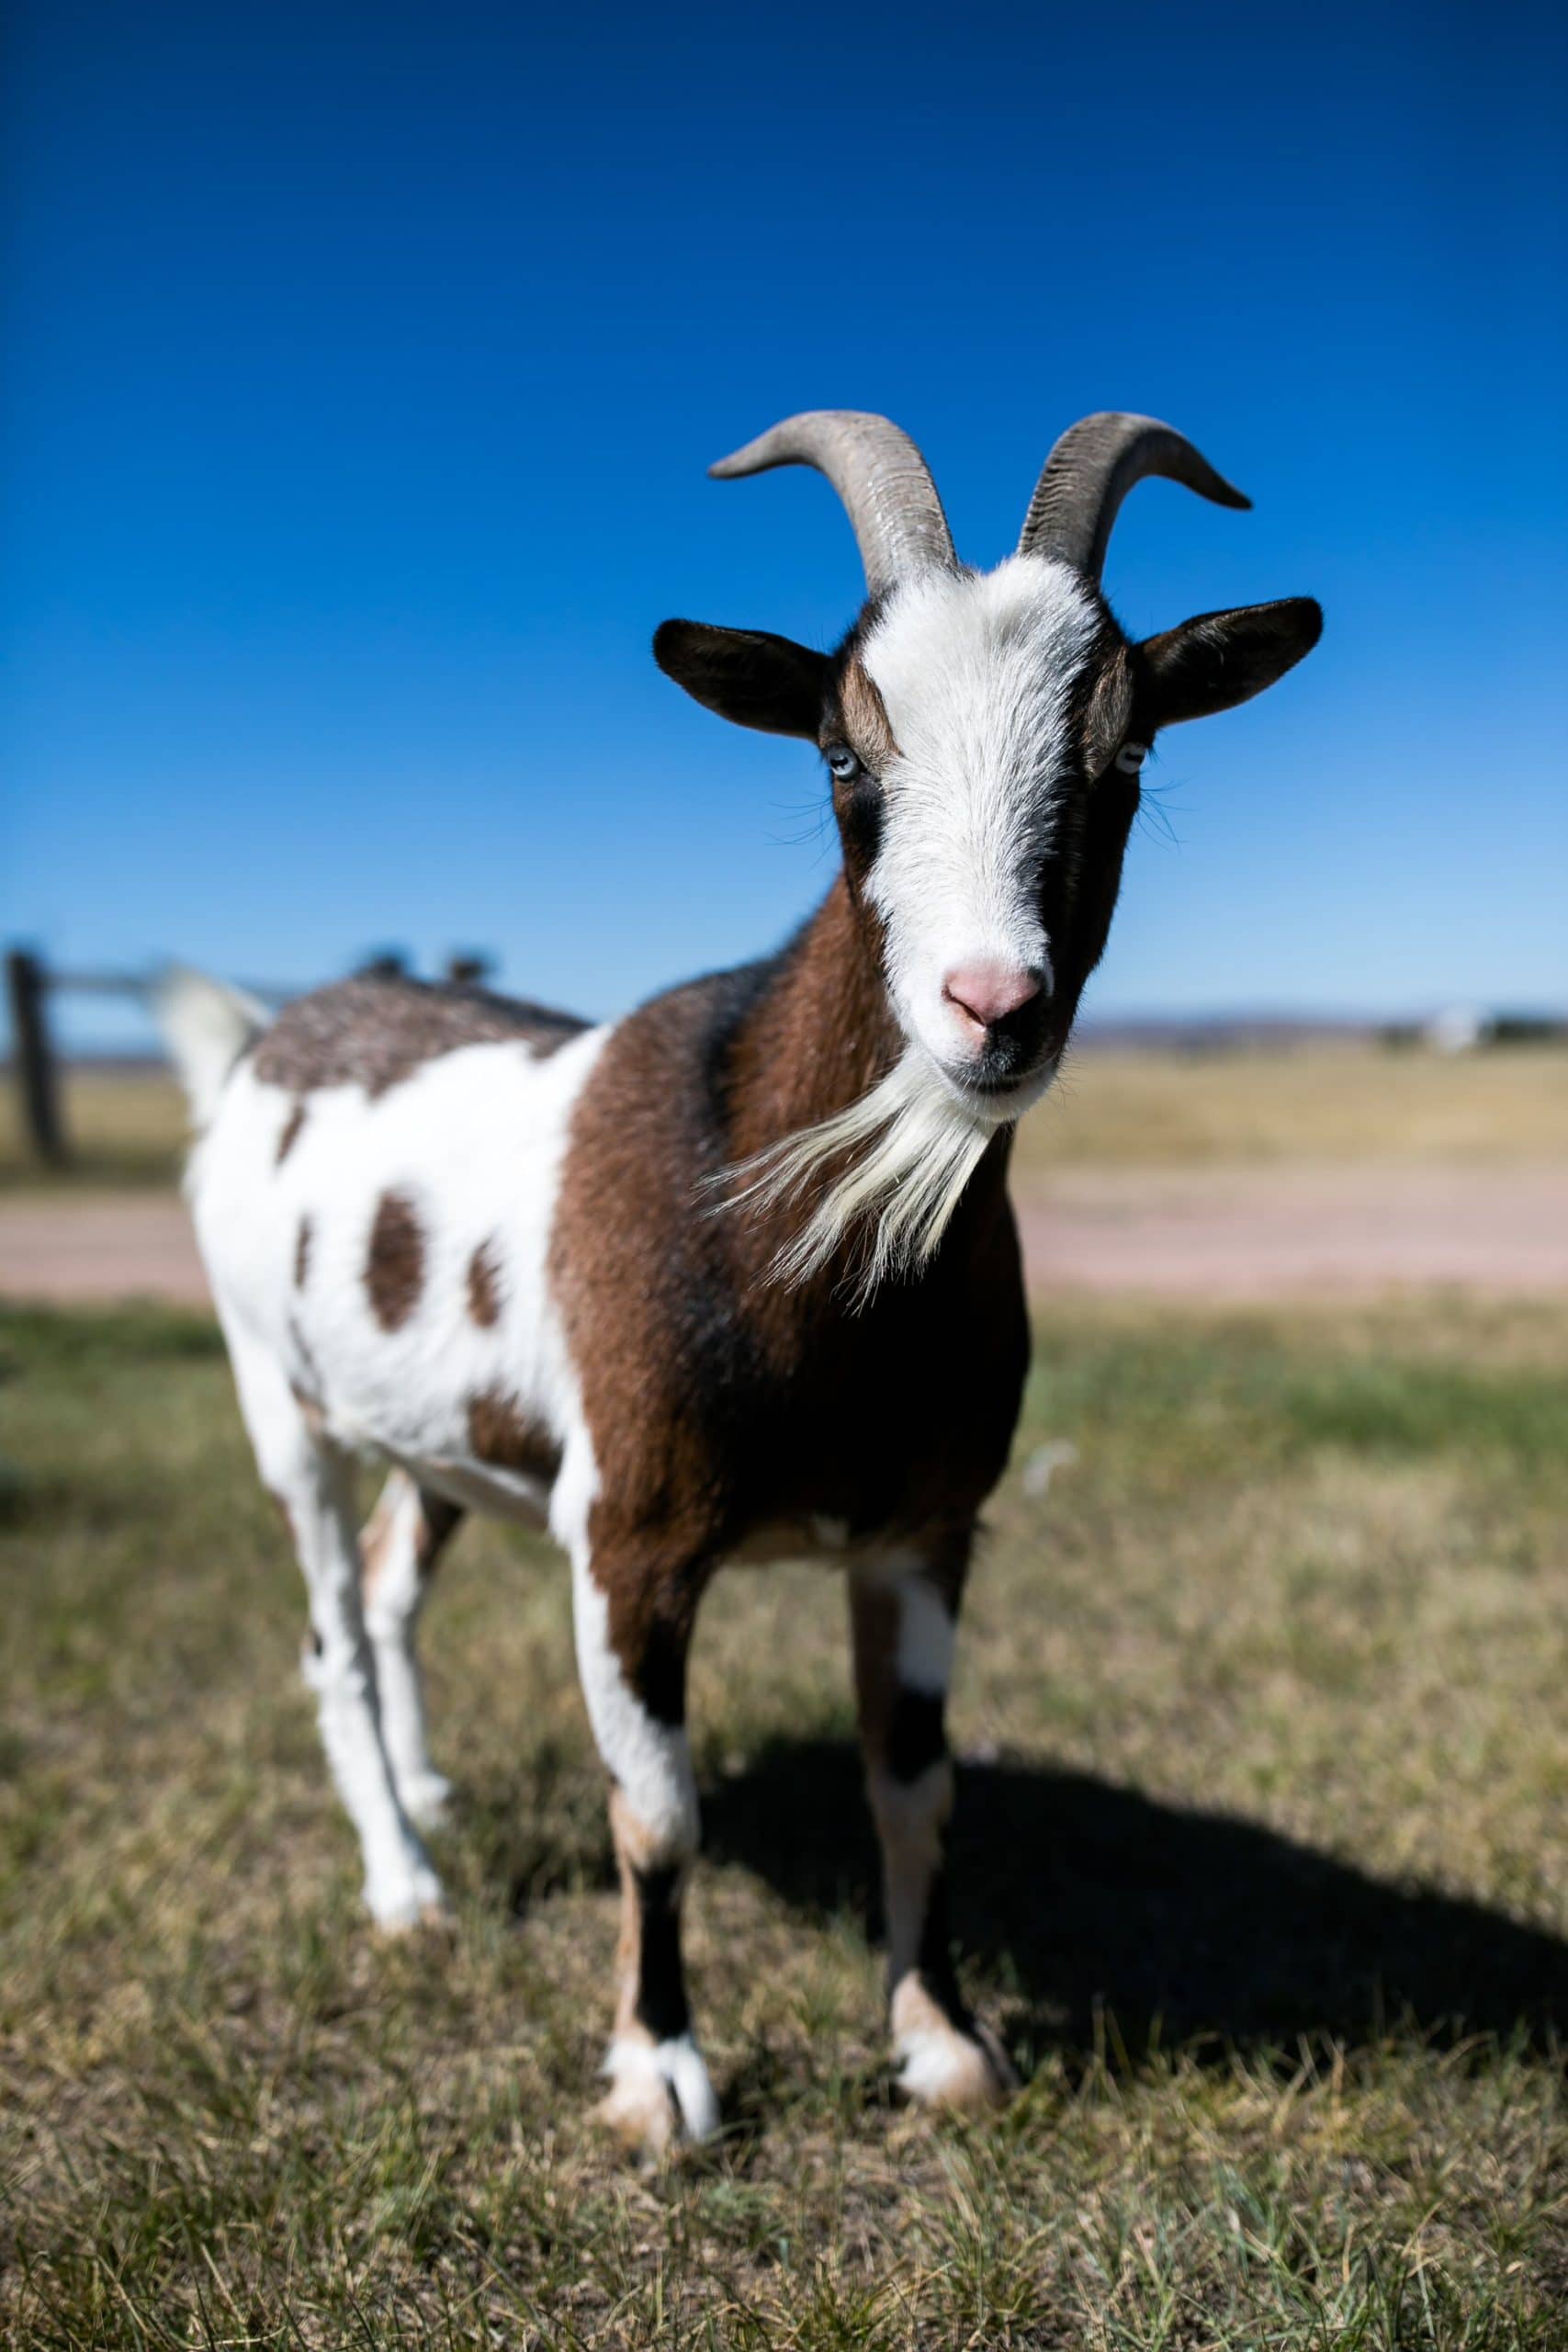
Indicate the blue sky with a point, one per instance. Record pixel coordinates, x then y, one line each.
365 362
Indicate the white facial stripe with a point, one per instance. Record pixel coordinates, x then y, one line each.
977 676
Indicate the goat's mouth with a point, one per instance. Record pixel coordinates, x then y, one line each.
1001 1096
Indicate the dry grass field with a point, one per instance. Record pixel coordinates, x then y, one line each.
1329 1103
1262 1862
124 1128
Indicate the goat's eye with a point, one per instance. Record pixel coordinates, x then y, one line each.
842 761
1131 758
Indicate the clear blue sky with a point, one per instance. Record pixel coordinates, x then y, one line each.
365 362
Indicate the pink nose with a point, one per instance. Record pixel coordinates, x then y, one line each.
988 992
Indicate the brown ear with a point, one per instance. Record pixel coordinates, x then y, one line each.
746 675
1220 658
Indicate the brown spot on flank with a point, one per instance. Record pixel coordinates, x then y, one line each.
291 1136
484 1283
302 1254
501 1434
394 1263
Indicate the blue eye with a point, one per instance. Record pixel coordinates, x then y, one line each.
842 761
1131 758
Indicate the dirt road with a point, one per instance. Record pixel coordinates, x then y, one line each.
1215 1232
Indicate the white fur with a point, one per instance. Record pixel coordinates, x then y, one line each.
925 1638
905 1152
676 2065
474 1139
207 1026
934 2058
317 1491
650 1759
392 1608
977 676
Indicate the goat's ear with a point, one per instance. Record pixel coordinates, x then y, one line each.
746 675
1220 658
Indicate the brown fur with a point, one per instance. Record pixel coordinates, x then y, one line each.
484 1283
302 1254
374 1032
291 1136
394 1262
867 728
1108 712
720 1402
501 1434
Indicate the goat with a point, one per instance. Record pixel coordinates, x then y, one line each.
735 1276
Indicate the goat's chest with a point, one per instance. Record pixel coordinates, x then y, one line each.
904 1424
762 1424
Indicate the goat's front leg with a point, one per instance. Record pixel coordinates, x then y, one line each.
633 1627
903 1612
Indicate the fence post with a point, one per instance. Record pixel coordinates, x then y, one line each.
32 1061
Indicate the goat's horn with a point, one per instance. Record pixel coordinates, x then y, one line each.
1090 472
881 478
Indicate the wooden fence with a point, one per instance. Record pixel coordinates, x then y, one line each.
31 984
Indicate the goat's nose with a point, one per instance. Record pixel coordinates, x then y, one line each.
987 992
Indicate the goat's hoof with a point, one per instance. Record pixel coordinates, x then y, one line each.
963 2068
660 2096
426 1799
416 1902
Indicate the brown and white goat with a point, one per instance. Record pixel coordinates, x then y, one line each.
735 1276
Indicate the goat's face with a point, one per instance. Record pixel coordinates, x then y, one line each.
983 734
964 731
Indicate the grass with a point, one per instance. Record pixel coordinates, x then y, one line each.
1324 1102
1331 1102
1261 1870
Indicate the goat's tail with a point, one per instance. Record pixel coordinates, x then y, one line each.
206 1026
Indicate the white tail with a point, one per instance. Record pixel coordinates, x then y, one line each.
206 1026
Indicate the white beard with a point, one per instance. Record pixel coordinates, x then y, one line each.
915 1148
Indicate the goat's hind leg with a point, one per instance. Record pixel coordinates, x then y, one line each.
313 1483
903 1615
398 1547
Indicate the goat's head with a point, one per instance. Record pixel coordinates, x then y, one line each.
984 732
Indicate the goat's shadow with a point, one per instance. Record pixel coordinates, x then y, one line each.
1084 1901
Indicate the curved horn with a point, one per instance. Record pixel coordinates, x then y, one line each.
1090 472
881 478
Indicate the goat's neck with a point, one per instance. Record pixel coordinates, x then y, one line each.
820 1036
